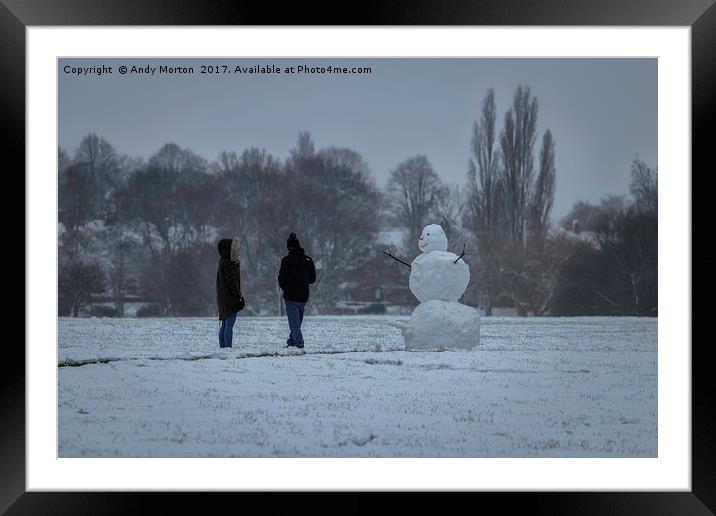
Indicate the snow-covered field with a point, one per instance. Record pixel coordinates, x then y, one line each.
536 387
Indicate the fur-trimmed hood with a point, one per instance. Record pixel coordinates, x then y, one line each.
229 249
235 248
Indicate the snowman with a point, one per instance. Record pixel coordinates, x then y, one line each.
438 278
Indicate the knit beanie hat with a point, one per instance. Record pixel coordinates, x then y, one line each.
292 242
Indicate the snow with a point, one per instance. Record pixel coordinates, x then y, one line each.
432 238
391 237
438 279
434 275
442 324
535 387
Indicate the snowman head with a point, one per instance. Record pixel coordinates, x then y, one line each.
432 239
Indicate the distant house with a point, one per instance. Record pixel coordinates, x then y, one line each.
518 310
504 311
576 233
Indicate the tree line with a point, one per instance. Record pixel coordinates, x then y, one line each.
146 229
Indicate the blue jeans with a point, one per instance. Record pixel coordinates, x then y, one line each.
294 312
226 332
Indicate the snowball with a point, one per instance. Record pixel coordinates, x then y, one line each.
432 239
434 275
436 324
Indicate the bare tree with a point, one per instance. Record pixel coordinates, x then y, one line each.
76 199
616 271
330 199
448 210
102 165
533 275
627 236
180 279
508 207
77 281
484 188
413 190
644 185
118 275
176 159
543 192
483 174
517 141
304 148
254 209
147 200
226 162
63 160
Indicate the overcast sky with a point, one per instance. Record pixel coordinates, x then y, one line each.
602 112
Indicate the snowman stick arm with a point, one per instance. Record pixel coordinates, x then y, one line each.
387 251
463 254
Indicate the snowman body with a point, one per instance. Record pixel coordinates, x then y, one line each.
438 279
436 275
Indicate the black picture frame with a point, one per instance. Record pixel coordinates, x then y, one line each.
700 15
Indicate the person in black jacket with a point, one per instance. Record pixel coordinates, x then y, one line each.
228 289
296 274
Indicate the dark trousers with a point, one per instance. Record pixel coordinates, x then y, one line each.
294 313
226 332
